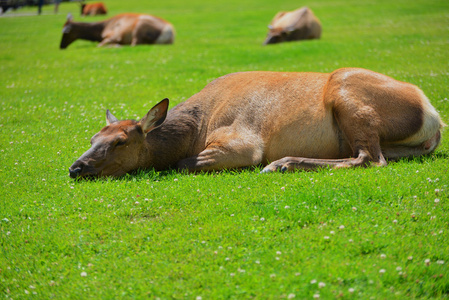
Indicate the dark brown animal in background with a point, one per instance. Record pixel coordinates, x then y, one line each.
350 117
93 9
124 29
300 24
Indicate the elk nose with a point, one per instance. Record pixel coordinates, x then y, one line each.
74 172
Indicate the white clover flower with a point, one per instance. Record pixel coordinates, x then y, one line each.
410 257
291 296
437 200
398 269
83 274
316 296
383 256
321 285
278 252
262 219
341 227
381 271
351 290
440 262
326 237
313 281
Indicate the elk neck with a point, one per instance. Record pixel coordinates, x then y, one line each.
89 31
179 137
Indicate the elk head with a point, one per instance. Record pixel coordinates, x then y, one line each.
277 35
68 36
119 147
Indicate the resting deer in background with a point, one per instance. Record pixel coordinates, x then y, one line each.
93 9
123 29
284 121
300 24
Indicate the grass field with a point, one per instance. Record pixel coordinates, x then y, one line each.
375 233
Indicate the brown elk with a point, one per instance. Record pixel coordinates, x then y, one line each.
93 9
285 121
300 24
124 29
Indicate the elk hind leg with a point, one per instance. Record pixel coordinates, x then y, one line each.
302 163
359 126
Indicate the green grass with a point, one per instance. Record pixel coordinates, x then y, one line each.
234 235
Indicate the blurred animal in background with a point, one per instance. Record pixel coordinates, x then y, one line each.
300 24
93 9
123 29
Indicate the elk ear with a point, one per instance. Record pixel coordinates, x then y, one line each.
155 116
110 118
270 27
69 17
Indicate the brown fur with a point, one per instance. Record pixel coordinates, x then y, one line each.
351 117
300 24
123 29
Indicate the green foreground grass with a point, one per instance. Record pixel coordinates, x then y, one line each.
378 233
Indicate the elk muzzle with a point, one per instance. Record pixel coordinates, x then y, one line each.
76 170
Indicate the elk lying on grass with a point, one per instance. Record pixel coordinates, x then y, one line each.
300 24
350 117
124 29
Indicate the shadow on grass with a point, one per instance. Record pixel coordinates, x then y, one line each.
154 175
424 158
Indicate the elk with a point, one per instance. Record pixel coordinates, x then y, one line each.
123 29
300 24
93 9
283 121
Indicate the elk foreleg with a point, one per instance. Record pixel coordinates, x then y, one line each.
226 150
109 40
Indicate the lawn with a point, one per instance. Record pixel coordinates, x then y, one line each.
379 233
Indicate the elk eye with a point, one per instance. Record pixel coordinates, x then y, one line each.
120 143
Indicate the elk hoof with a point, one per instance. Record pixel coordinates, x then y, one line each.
267 169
